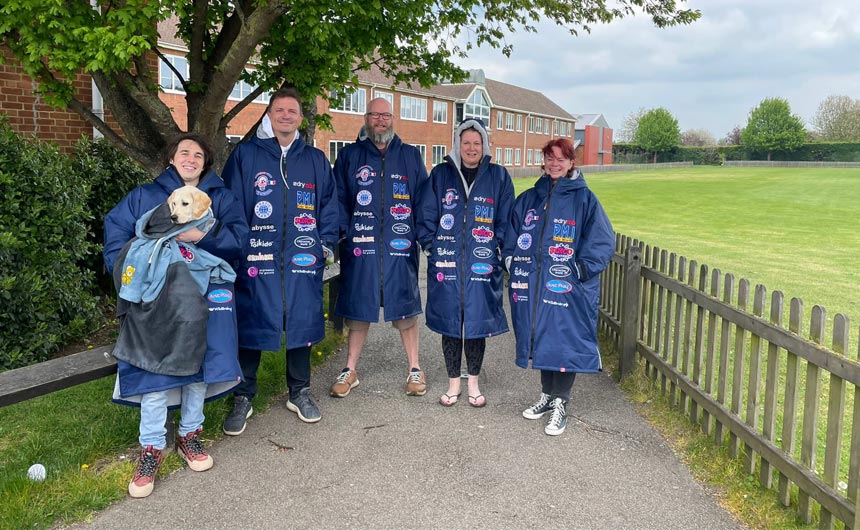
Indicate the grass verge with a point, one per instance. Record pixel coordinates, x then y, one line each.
89 445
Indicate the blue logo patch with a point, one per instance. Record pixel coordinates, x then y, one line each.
446 221
482 252
559 286
304 242
221 296
560 271
304 260
400 228
482 268
400 244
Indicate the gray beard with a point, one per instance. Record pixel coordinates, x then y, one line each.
384 138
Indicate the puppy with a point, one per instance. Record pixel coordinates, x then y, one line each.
187 204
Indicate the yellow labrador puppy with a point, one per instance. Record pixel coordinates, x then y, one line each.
187 204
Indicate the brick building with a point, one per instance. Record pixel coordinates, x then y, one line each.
520 121
593 140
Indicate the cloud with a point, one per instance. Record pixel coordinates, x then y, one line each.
709 74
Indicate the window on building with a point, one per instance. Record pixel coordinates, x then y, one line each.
509 121
519 122
531 124
334 147
498 155
517 157
413 109
538 157
242 89
439 152
387 96
546 126
440 112
555 128
529 154
423 150
509 155
478 106
354 102
500 120
539 126
569 129
169 80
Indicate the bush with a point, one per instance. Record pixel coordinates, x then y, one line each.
46 295
110 175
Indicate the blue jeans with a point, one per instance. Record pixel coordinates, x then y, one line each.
153 414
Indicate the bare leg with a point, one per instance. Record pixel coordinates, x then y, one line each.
409 337
355 343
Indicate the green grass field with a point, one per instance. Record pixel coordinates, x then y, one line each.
794 230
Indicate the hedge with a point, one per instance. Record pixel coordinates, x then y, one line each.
50 241
715 155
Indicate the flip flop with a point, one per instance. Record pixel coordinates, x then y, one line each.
448 401
477 401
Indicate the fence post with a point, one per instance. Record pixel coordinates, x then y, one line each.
630 310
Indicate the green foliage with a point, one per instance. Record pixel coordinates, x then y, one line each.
635 154
45 297
772 127
110 175
315 46
658 131
838 119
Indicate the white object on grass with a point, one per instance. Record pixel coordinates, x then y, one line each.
37 472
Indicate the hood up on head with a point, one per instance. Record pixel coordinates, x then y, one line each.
465 125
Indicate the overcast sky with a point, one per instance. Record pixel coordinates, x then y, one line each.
709 74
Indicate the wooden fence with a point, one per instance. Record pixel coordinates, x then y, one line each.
745 378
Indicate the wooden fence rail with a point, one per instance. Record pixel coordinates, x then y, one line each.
740 375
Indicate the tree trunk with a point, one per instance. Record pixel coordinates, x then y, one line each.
768 156
655 157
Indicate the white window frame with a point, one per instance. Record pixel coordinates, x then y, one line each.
569 129
439 152
175 85
546 126
509 155
478 101
334 147
353 103
500 120
518 157
441 108
413 109
531 124
519 123
538 125
387 96
529 157
423 150
498 157
509 121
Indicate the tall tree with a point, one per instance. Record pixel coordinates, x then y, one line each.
698 137
772 127
838 119
658 131
312 45
627 132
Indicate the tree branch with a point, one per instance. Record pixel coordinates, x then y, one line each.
172 68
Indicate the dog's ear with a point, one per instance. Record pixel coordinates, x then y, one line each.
202 202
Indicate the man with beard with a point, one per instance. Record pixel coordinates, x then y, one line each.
377 178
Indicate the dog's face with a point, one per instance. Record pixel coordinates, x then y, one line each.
187 204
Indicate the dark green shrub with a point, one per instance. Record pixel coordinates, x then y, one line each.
110 175
45 295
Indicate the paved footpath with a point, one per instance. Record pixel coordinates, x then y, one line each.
382 460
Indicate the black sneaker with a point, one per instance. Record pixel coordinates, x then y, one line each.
541 407
236 421
304 406
558 418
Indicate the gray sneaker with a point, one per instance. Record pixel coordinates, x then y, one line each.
539 408
304 406
236 421
558 419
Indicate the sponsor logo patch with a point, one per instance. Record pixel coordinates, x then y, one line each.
304 242
304 260
304 222
263 228
484 214
400 244
559 286
524 241
261 243
187 253
560 271
446 264
400 228
560 252
262 181
446 221
305 200
482 234
520 272
253 272
482 252
519 285
364 197
263 209
482 268
400 211
530 219
400 190
444 252
364 174
361 227
363 239
450 199
259 256
563 230
220 296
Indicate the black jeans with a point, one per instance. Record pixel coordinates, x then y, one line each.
298 371
557 384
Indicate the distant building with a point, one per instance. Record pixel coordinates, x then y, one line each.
593 143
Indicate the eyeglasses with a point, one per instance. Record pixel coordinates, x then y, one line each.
552 159
382 115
